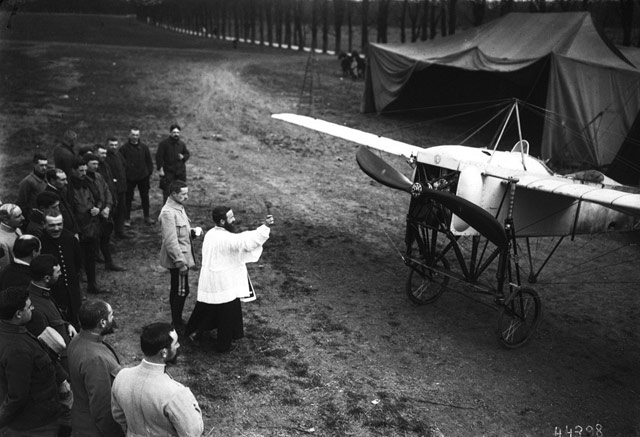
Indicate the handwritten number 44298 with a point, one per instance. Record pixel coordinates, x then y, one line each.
579 431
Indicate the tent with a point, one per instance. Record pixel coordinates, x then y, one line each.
558 61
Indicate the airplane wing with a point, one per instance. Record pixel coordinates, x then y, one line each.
619 198
357 136
627 201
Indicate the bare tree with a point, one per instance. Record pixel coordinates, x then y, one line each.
479 8
339 7
414 13
224 23
288 24
298 16
236 21
626 14
443 19
325 26
506 6
424 22
383 19
350 25
403 19
365 24
537 6
314 24
252 14
453 15
268 17
434 17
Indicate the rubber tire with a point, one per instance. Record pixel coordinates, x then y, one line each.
432 293
512 332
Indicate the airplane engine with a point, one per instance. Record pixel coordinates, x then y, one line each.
469 188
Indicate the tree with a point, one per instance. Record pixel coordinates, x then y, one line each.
236 21
424 22
479 8
626 13
325 26
339 7
537 6
365 24
268 16
403 17
298 35
443 19
279 19
314 24
350 25
414 13
383 17
506 6
288 25
452 16
433 19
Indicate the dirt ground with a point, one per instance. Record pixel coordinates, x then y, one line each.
333 346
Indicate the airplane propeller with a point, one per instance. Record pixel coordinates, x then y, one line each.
379 170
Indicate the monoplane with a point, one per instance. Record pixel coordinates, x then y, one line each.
468 205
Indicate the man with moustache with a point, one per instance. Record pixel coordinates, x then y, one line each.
145 400
87 205
45 272
138 168
171 156
61 243
224 279
105 192
45 202
93 365
32 184
176 252
57 182
116 164
30 379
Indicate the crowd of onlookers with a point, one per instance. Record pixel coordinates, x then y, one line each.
56 370
352 65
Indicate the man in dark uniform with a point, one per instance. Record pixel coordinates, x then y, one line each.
116 164
138 167
32 184
64 154
171 156
61 243
17 273
57 182
30 380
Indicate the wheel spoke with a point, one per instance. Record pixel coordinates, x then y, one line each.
519 318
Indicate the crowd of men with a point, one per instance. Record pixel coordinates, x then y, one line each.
58 375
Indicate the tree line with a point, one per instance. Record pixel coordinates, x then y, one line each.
345 25
340 25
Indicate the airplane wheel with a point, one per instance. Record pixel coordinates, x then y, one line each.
425 285
518 318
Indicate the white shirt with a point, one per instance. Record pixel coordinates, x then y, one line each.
224 275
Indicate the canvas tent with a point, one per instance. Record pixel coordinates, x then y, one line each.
558 61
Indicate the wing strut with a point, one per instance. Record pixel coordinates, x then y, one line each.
533 277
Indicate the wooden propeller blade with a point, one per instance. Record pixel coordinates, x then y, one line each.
379 170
